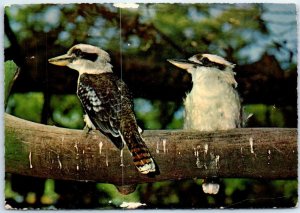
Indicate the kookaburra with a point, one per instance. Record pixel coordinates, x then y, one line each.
107 101
213 103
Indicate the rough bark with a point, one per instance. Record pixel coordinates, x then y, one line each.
46 151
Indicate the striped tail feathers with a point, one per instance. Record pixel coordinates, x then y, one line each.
141 156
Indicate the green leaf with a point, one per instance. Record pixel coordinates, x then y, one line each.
11 73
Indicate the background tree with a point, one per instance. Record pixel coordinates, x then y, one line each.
259 38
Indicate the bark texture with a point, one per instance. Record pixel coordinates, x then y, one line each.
47 151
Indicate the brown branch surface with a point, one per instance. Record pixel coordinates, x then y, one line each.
46 151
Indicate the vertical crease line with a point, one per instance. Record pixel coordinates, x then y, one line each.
121 67
121 59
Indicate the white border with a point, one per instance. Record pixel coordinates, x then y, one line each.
4 3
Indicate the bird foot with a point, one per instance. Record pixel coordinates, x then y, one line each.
86 130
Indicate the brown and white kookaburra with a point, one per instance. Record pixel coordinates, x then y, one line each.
107 101
213 103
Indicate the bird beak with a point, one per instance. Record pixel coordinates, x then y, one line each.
183 63
62 60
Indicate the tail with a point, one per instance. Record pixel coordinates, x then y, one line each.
211 185
142 158
210 188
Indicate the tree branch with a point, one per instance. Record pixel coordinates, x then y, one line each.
47 151
13 52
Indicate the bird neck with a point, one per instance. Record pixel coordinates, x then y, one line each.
91 68
212 75
93 71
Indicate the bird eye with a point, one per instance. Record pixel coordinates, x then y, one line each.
205 61
77 52
199 57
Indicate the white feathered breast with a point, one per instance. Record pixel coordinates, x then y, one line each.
213 103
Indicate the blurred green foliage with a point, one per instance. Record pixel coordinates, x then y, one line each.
245 28
27 106
265 116
152 114
200 26
67 111
114 198
11 72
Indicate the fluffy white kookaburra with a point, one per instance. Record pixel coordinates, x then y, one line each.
213 103
107 101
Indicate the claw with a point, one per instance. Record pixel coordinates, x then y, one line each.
86 130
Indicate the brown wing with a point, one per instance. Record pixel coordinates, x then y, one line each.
101 100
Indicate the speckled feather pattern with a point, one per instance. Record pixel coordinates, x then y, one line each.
110 110
106 101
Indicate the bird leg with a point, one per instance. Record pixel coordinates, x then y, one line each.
86 129
88 124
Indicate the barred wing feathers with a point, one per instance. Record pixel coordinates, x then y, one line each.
108 103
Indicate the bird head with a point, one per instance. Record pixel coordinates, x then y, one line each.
84 58
207 64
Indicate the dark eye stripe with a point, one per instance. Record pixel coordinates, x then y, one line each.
90 56
85 55
206 62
